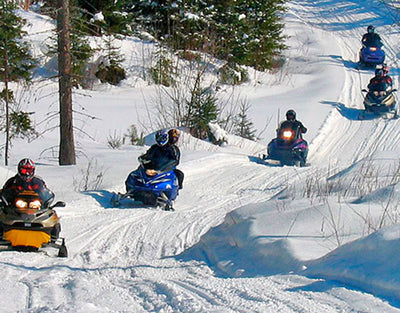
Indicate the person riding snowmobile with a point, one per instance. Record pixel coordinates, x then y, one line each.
173 137
25 179
380 79
371 38
161 156
292 123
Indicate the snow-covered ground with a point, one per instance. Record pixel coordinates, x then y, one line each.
245 237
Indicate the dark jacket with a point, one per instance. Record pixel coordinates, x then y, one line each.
380 83
294 125
372 39
161 158
15 185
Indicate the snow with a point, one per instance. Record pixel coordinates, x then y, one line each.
245 236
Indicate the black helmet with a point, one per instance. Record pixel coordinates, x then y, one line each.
161 137
370 29
26 169
291 115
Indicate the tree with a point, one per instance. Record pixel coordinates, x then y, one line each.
110 69
67 146
15 59
247 32
243 127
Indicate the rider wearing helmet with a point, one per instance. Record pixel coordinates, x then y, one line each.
381 77
292 123
174 134
161 156
371 38
25 179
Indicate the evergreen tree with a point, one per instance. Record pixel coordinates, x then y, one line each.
81 51
202 109
110 70
248 32
243 127
15 59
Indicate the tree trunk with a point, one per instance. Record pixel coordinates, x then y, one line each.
6 149
26 5
67 147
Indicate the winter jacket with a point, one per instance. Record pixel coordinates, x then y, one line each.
376 83
294 125
161 158
372 39
15 185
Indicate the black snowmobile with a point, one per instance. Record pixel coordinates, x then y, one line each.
30 222
380 100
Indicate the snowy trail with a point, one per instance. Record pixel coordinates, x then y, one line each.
343 125
127 259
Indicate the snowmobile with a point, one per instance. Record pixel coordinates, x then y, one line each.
151 187
380 100
288 148
30 222
372 54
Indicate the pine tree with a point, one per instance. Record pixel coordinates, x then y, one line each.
243 127
110 70
202 109
15 59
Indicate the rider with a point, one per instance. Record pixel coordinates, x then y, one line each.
381 77
173 135
161 156
370 38
291 122
25 179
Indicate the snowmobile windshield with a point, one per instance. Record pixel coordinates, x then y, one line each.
374 42
288 127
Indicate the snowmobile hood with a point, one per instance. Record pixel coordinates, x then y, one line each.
26 238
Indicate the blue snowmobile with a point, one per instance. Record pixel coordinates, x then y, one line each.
372 54
149 186
288 148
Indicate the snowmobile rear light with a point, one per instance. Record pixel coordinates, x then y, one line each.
373 48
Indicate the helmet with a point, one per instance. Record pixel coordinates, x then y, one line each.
379 72
26 169
291 115
161 137
173 135
370 29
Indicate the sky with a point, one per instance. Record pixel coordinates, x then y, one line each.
245 236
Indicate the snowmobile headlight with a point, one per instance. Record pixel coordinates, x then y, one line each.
382 93
373 48
151 172
35 204
376 93
21 204
287 134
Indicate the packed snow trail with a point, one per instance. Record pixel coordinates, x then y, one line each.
129 259
344 19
